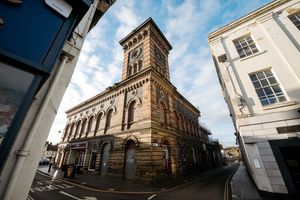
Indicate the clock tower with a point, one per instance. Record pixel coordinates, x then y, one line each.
145 47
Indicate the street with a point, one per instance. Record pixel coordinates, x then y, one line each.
211 186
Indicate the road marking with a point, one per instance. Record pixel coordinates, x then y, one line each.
76 198
69 195
151 196
29 197
40 183
226 193
122 192
67 186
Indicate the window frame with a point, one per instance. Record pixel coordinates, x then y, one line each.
131 113
297 19
108 119
249 45
264 85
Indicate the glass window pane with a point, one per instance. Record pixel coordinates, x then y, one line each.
264 82
249 40
253 77
264 102
256 84
14 84
268 73
260 92
272 100
247 51
253 48
272 80
260 75
268 91
243 42
237 45
241 53
277 89
281 99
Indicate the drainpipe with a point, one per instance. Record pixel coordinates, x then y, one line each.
25 150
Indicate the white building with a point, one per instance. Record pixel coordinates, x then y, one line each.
258 64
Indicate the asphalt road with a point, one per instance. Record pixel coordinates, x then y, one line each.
208 187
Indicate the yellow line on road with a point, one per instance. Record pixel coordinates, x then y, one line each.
226 193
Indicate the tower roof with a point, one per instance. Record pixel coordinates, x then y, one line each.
149 20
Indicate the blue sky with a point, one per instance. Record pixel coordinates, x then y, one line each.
186 24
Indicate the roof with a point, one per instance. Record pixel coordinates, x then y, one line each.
266 8
149 20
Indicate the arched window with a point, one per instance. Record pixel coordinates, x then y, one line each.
90 123
182 123
108 119
140 65
77 129
83 127
71 130
134 68
97 127
89 127
176 121
162 114
131 116
66 132
130 70
193 128
185 125
188 126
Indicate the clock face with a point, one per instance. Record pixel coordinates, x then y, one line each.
136 53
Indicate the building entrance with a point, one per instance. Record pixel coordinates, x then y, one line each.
104 160
130 160
291 157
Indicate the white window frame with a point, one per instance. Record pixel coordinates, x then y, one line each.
266 83
245 43
295 19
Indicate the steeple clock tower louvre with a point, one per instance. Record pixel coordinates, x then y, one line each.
145 47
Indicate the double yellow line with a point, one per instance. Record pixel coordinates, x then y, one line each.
226 188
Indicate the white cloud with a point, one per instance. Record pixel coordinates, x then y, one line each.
185 25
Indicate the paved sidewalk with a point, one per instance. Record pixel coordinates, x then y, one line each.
117 184
242 186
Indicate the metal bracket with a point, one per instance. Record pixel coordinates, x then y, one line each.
22 152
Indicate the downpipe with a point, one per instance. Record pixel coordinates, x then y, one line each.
25 150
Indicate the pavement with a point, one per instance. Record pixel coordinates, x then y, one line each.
243 187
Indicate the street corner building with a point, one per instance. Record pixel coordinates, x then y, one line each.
257 61
141 128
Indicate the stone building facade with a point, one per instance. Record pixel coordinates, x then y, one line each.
142 127
257 62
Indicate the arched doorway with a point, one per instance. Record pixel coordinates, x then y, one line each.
105 158
166 156
129 172
93 157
